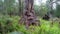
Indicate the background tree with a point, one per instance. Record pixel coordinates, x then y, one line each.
21 2
57 12
1 6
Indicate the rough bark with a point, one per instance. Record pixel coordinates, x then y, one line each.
28 16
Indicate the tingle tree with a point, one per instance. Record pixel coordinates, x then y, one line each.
28 16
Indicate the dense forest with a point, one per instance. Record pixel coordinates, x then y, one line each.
46 14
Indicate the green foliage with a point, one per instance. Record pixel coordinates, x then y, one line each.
9 23
57 10
40 10
14 27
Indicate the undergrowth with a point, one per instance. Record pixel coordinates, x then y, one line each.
13 26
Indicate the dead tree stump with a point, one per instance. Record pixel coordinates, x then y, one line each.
28 17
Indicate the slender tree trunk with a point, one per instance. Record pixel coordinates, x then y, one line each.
20 9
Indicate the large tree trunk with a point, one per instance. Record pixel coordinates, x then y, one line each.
28 16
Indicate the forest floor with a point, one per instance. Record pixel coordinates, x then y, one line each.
13 26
